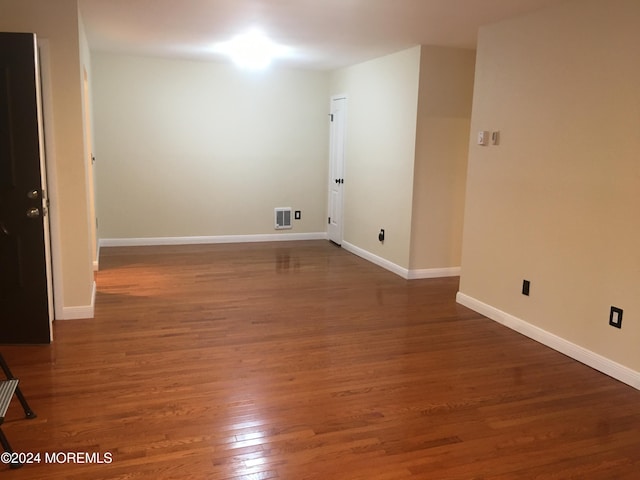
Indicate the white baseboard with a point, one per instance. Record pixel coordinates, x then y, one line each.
85 311
434 273
150 241
381 262
397 269
581 354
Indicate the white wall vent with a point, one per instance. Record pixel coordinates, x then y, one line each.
283 218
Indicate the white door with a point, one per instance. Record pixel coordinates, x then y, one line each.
336 167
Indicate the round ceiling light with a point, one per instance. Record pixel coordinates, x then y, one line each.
252 50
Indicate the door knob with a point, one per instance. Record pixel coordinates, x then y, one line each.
33 212
3 229
33 194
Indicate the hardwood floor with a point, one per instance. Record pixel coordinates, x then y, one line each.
301 361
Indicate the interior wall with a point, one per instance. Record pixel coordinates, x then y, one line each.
189 148
557 201
380 152
58 23
442 146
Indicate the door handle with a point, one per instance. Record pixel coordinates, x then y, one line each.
33 195
33 212
3 229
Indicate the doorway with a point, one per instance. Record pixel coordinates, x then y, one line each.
337 134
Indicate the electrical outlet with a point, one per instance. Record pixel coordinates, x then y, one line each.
297 215
526 285
615 317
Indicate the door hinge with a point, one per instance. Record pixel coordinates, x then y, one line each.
331 116
329 221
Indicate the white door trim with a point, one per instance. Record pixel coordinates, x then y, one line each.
52 180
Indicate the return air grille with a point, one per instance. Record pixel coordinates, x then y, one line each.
283 218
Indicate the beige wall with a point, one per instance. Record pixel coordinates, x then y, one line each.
58 23
380 152
557 202
203 149
442 146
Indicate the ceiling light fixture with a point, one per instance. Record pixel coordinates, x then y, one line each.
252 50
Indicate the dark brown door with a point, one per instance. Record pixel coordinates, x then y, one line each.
24 297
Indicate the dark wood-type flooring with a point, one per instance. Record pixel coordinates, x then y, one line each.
301 361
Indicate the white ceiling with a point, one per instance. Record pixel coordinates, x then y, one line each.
324 34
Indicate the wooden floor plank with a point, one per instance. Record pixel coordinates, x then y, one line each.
298 361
